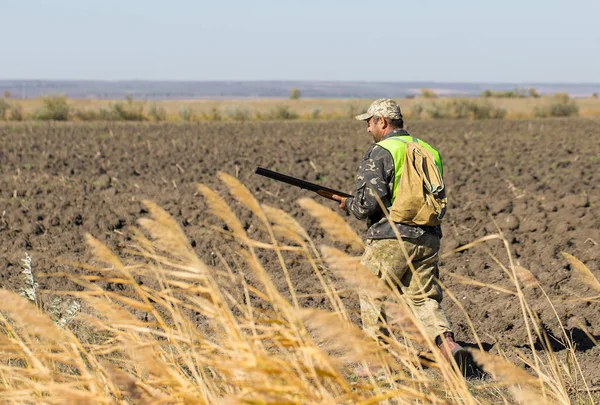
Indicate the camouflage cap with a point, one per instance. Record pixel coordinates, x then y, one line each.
384 107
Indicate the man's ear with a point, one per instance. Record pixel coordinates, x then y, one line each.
384 124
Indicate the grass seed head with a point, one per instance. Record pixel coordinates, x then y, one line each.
219 208
341 338
168 235
354 274
286 225
525 277
333 224
242 194
582 272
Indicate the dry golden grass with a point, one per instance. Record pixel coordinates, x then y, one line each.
582 272
254 346
335 226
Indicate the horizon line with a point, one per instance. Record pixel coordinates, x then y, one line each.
292 81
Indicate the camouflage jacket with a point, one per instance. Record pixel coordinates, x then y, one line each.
375 177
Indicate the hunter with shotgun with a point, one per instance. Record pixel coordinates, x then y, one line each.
405 175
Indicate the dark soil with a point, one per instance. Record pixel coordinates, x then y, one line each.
537 182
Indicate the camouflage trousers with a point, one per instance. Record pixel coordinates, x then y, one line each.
386 259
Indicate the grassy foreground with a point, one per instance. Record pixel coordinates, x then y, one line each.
142 344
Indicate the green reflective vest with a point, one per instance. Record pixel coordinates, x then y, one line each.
396 145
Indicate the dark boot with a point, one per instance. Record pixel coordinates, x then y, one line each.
448 346
463 358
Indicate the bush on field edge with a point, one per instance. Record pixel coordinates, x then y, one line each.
560 105
186 113
4 107
54 108
128 111
10 110
460 108
282 112
157 113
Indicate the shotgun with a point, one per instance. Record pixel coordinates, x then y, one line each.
322 191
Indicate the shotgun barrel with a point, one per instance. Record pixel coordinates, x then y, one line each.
306 185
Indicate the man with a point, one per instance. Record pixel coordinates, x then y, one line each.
376 180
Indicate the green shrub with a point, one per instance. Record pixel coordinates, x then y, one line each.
126 112
237 113
213 115
428 93
106 115
116 112
560 105
16 113
54 108
282 113
437 111
315 113
416 111
533 93
516 93
4 107
295 94
465 108
186 113
157 113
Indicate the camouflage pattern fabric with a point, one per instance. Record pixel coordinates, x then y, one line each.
386 259
384 107
375 178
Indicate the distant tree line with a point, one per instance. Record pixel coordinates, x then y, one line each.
515 93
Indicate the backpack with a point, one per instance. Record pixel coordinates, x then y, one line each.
421 195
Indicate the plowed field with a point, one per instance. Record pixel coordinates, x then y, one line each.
538 182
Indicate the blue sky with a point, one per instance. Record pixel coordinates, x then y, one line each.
456 41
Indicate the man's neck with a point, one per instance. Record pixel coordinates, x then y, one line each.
395 132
